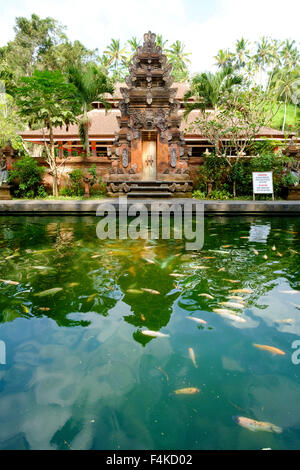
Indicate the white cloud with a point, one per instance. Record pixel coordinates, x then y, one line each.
95 22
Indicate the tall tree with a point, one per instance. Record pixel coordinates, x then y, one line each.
91 85
283 84
242 53
133 44
33 40
46 99
180 60
223 58
161 42
118 58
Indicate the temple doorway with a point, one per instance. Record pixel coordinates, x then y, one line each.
149 160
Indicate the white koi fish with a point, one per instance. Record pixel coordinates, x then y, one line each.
154 334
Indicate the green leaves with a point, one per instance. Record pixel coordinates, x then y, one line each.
47 98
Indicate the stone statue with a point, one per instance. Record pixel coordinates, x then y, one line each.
3 171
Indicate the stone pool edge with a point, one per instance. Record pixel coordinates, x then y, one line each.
34 207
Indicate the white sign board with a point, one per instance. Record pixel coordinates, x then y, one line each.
263 182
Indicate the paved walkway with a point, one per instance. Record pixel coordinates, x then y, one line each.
41 207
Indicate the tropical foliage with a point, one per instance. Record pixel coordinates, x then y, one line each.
46 99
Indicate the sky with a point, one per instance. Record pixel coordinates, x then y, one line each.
204 26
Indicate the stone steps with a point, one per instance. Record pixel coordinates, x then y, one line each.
147 194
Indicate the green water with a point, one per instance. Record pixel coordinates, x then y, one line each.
81 375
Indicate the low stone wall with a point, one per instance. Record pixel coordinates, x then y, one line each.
89 207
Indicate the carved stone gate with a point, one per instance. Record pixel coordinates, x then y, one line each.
149 112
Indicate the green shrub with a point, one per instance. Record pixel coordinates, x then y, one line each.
221 194
198 194
75 184
26 177
289 180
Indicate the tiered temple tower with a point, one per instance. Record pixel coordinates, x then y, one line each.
149 148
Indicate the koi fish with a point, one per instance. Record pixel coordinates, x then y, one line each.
201 267
209 257
255 252
232 281
151 291
177 275
96 256
242 291
42 267
163 372
255 426
11 283
150 261
193 357
49 292
134 291
44 309
208 296
25 308
236 297
91 297
229 314
226 246
288 321
187 391
273 248
197 320
246 238
232 304
291 292
154 334
221 270
73 284
271 349
279 254
265 257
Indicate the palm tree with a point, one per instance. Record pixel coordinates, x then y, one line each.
242 53
289 54
133 44
104 61
263 56
160 42
283 82
117 57
91 84
223 58
206 88
179 59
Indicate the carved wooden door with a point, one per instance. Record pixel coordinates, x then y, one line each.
149 160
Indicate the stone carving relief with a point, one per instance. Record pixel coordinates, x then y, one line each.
125 158
173 158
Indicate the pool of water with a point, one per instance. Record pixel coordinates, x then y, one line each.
80 373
